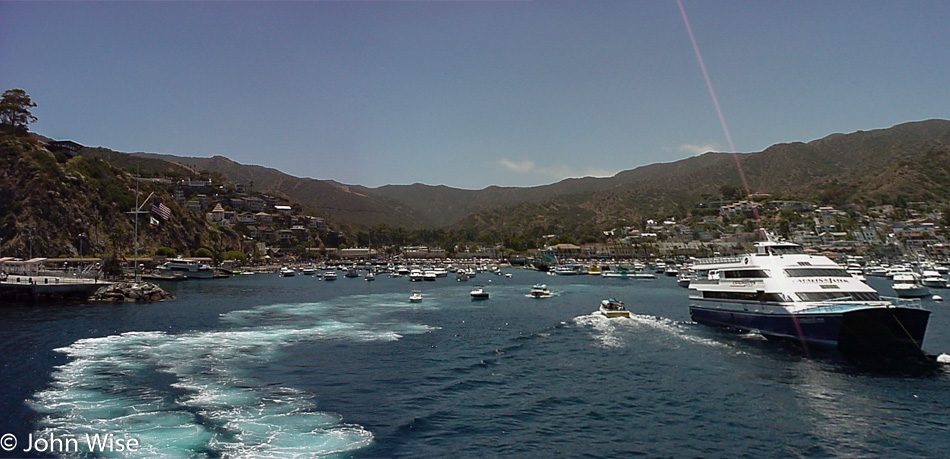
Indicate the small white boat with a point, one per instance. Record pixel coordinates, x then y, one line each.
856 270
329 275
907 285
539 291
415 296
932 278
370 276
479 293
623 272
191 269
685 278
308 270
613 308
415 275
287 272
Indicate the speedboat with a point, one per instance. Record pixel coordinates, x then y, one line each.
612 307
329 275
415 296
415 275
781 292
287 272
478 293
370 276
539 291
308 270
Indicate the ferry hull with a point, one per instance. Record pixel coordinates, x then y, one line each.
860 331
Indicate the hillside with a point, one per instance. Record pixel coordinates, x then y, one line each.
909 162
337 202
48 200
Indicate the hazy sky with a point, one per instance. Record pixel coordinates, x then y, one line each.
470 94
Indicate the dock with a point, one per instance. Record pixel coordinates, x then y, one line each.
26 288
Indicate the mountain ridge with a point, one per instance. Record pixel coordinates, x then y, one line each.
804 168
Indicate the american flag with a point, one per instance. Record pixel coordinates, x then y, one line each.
161 210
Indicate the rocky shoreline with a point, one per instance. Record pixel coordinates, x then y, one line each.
131 292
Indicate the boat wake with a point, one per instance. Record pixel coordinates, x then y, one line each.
196 394
553 294
612 332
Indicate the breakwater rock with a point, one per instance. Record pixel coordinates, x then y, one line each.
131 292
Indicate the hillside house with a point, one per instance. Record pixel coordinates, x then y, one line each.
67 147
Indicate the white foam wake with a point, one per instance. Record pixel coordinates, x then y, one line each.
211 403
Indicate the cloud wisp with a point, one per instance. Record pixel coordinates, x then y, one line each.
698 148
559 171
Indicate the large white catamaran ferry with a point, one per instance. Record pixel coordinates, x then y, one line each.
781 292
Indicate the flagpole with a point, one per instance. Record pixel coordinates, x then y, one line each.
138 209
135 269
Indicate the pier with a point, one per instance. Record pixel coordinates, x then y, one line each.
27 288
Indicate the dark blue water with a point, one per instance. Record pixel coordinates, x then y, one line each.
261 365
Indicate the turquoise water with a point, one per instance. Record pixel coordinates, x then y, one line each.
265 366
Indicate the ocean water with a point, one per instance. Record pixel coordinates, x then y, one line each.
265 366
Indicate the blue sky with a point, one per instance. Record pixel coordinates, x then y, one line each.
470 94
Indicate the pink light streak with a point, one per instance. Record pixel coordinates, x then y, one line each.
715 100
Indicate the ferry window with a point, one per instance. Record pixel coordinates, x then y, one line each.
745 274
817 272
789 249
826 296
746 296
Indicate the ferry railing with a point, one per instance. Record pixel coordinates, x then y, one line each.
716 260
904 302
833 304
